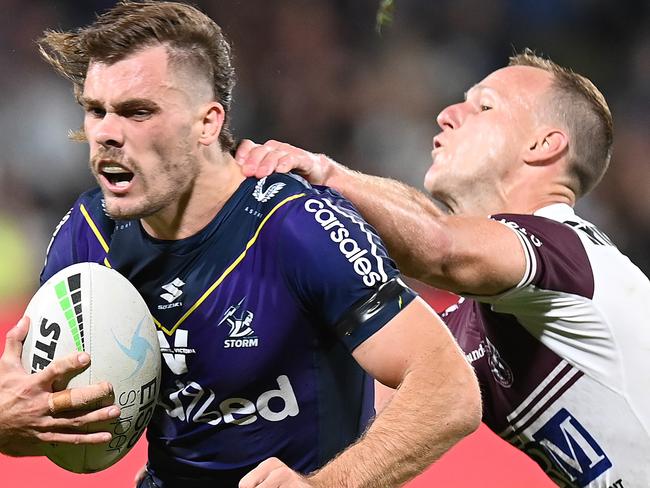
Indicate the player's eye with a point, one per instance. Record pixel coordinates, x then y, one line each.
96 112
139 113
485 108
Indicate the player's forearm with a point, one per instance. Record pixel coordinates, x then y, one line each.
409 223
428 415
461 254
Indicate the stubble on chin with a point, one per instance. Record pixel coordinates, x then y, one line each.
117 209
440 190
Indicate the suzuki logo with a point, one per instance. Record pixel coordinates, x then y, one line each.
173 290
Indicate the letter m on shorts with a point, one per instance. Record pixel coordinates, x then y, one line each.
572 448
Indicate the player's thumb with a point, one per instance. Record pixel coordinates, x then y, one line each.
14 340
241 156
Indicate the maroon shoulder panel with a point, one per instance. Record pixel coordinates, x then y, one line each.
561 261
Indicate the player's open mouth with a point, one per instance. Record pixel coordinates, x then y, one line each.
116 177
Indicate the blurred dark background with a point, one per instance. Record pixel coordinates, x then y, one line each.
315 73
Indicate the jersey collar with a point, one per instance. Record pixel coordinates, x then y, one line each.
559 212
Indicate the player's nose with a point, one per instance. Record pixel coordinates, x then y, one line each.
451 117
108 131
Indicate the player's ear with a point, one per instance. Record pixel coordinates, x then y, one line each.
212 122
548 145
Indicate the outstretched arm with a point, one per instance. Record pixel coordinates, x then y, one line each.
473 255
436 404
32 409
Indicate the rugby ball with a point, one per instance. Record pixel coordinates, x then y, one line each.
88 307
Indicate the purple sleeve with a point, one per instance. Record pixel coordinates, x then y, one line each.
60 252
555 257
75 239
333 260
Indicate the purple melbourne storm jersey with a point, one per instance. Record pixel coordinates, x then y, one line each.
248 313
563 357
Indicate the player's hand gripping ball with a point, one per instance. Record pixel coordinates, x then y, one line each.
88 307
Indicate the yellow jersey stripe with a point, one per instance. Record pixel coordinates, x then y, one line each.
229 269
95 230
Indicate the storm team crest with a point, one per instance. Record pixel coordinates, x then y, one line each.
239 321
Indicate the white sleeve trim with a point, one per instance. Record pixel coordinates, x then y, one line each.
529 272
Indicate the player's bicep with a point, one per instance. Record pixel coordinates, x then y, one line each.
338 268
485 257
413 338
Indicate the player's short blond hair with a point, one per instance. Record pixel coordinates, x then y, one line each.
581 108
191 38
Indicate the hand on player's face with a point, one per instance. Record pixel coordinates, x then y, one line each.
33 411
273 473
260 160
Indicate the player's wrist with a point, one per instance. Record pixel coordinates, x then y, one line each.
320 480
331 171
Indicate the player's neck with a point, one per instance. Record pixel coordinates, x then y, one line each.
194 210
529 198
519 199
538 188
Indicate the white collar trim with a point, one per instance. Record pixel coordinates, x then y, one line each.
557 211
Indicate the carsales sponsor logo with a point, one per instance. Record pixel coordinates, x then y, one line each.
349 247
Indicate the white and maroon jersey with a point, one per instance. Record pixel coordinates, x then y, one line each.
563 358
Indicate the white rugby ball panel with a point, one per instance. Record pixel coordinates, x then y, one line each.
88 307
